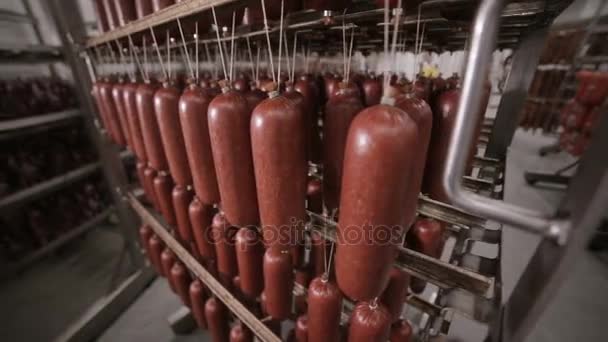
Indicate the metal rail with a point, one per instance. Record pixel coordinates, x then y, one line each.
38 120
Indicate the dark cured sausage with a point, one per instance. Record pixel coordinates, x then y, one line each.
279 158
137 139
156 249
105 94
143 8
240 333
149 176
426 236
278 282
144 97
182 197
216 314
163 188
102 19
125 11
372 91
166 101
340 111
421 113
193 105
324 310
301 329
229 117
201 216
223 236
395 293
167 260
401 331
181 279
250 260
380 149
145 233
369 322
198 297
157 5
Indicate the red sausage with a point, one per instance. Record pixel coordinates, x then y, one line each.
240 333
278 282
157 5
145 233
401 331
223 236
310 92
143 8
302 277
319 252
201 216
369 322
156 248
167 260
198 297
144 98
181 201
301 329
340 111
110 14
149 176
163 188
395 293
254 97
105 93
380 149
101 109
216 315
229 117
279 158
193 106
425 237
140 167
250 260
372 91
324 309
125 11
100 12
166 101
421 113
181 279
130 104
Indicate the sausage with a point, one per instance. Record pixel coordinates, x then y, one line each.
166 101
101 109
324 310
425 237
163 188
193 105
372 91
331 86
302 277
125 11
250 260
310 92
216 315
145 233
340 111
379 150
181 280
395 293
302 330
110 14
314 195
201 216
254 97
229 117
305 108
198 297
319 252
133 124
278 282
422 88
421 113
144 98
140 168
157 5
149 176
105 93
167 260
241 84
143 8
223 236
156 248
240 333
369 322
401 331
181 201
100 12
279 159
263 303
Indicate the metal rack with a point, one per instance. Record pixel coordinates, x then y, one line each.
467 285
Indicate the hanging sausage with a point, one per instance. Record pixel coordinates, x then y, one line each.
144 98
240 333
125 11
198 297
302 277
314 195
324 310
181 201
401 331
105 94
223 237
137 140
250 260
181 280
145 233
216 315
426 236
117 98
143 8
369 322
395 294
278 282
380 150
301 329
156 249
201 216
149 176
163 188
372 91
167 260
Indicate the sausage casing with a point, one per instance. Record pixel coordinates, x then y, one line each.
201 216
137 139
181 280
278 282
369 323
182 197
198 297
324 310
167 260
395 293
163 188
216 314
250 260
144 98
223 236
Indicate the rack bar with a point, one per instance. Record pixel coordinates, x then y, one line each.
256 326
38 120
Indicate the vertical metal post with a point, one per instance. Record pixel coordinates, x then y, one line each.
37 32
585 204
524 63
71 31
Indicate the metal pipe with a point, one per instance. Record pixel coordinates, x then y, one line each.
483 41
